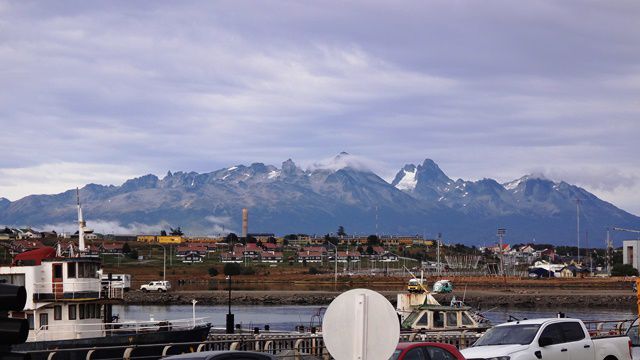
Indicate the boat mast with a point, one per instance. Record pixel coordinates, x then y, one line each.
81 223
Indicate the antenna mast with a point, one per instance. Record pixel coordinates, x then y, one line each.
81 223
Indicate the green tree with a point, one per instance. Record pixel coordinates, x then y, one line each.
133 254
231 238
624 270
232 269
213 271
341 232
373 240
126 248
163 233
176 232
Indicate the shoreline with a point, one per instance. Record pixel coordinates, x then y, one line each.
477 298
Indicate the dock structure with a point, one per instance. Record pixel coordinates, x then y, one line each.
282 345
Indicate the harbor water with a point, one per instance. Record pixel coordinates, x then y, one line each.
287 317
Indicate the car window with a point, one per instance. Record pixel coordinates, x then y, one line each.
554 332
395 355
436 353
633 335
572 331
415 354
512 334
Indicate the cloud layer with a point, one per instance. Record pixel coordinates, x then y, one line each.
490 89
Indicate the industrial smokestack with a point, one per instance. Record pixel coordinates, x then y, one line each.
245 222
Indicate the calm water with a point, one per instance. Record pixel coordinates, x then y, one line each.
287 317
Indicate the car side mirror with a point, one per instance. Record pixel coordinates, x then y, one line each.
545 341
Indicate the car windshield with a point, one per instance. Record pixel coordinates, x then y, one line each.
505 335
395 355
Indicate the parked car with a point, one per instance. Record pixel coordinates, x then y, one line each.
548 339
426 351
159 286
222 355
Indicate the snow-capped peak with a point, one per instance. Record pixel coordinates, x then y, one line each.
408 181
512 185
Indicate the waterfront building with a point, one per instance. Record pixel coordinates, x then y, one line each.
631 253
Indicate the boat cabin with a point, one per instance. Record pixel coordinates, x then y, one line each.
65 299
437 317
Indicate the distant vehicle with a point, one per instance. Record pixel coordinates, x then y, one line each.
426 351
548 339
415 286
120 281
222 355
442 286
158 286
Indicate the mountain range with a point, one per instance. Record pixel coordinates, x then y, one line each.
421 200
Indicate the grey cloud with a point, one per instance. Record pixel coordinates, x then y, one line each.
488 89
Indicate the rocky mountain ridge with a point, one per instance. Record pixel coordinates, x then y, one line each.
421 199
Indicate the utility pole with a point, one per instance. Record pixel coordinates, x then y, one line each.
438 253
578 226
501 233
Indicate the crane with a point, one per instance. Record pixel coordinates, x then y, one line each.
627 230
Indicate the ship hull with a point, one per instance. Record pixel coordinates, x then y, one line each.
103 346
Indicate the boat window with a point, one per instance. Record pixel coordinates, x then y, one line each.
438 319
81 311
71 270
572 331
57 312
91 311
57 271
81 270
12 279
30 320
72 312
452 319
44 321
466 320
98 311
424 319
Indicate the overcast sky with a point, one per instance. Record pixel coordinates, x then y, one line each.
104 91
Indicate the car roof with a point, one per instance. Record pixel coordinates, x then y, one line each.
407 345
536 321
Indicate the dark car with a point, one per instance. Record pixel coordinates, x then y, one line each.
426 351
222 355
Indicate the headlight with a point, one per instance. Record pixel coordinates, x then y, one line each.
499 358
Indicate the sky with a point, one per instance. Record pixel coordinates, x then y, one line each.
106 91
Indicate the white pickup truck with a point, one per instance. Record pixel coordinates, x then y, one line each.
547 339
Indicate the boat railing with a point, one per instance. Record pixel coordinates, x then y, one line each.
89 330
608 327
66 290
283 346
